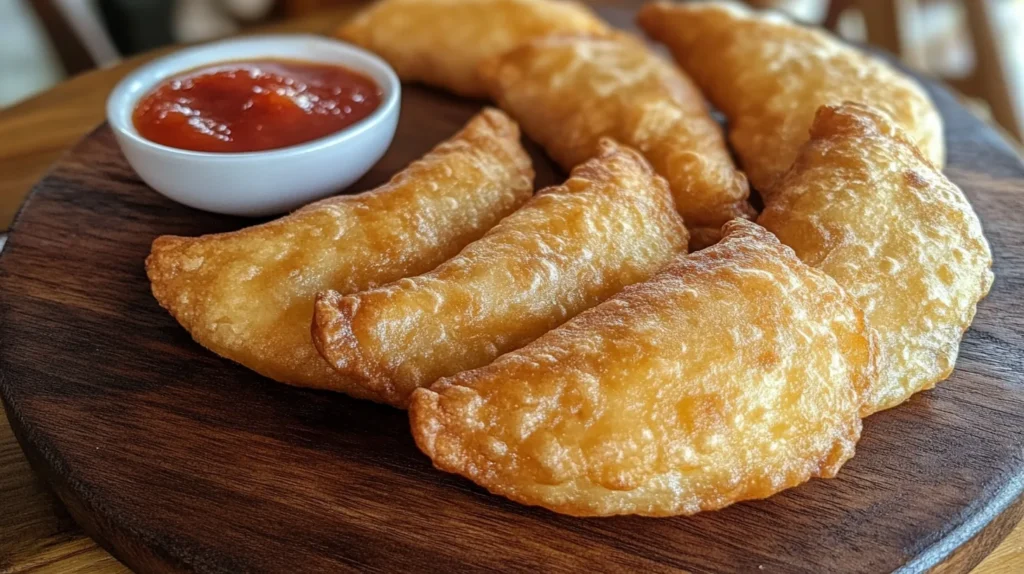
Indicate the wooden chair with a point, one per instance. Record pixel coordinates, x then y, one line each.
996 72
78 30
77 34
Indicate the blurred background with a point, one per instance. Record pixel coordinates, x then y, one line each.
977 46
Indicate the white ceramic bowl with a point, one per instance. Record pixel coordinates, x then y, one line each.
264 182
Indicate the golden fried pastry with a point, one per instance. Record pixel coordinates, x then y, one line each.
248 295
732 374
863 204
441 42
769 76
569 91
611 224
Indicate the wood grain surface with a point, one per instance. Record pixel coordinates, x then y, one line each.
180 460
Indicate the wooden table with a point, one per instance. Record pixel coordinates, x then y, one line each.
36 534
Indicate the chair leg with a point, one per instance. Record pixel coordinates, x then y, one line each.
992 76
74 56
882 22
835 10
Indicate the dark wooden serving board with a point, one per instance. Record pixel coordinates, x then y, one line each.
175 459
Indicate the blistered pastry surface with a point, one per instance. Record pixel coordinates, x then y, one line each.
569 91
611 224
863 204
769 76
441 42
248 295
732 374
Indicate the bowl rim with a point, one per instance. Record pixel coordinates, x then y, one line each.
124 95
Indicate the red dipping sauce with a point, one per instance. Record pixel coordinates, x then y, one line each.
254 106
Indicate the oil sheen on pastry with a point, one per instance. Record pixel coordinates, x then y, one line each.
611 224
441 42
769 76
863 204
569 91
731 375
248 295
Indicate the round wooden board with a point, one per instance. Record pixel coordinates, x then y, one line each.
176 459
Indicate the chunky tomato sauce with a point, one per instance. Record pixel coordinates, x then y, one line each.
254 106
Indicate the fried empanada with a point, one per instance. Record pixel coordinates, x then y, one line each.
611 224
441 42
569 91
769 75
863 204
731 375
248 295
